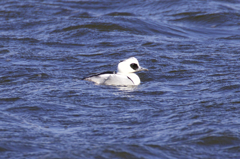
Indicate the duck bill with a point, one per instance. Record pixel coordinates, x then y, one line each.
142 69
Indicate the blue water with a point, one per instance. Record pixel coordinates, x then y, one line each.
187 105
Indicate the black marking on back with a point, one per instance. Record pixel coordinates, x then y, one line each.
130 79
134 66
97 74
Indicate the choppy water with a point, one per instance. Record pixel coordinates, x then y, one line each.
188 103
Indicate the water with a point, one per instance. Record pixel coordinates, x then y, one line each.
187 105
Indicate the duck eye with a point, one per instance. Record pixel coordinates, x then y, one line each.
134 66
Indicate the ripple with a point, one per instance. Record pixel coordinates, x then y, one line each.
2 149
230 88
10 99
4 51
120 14
24 109
219 140
96 26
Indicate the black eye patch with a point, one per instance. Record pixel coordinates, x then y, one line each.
134 66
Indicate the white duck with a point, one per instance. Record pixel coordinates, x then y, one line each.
124 76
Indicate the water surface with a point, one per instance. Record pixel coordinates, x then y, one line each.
187 105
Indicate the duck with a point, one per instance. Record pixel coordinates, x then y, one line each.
125 74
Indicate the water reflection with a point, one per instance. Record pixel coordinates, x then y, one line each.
127 88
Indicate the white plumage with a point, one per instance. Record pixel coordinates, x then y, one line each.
124 76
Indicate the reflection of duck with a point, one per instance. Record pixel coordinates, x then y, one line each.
124 76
